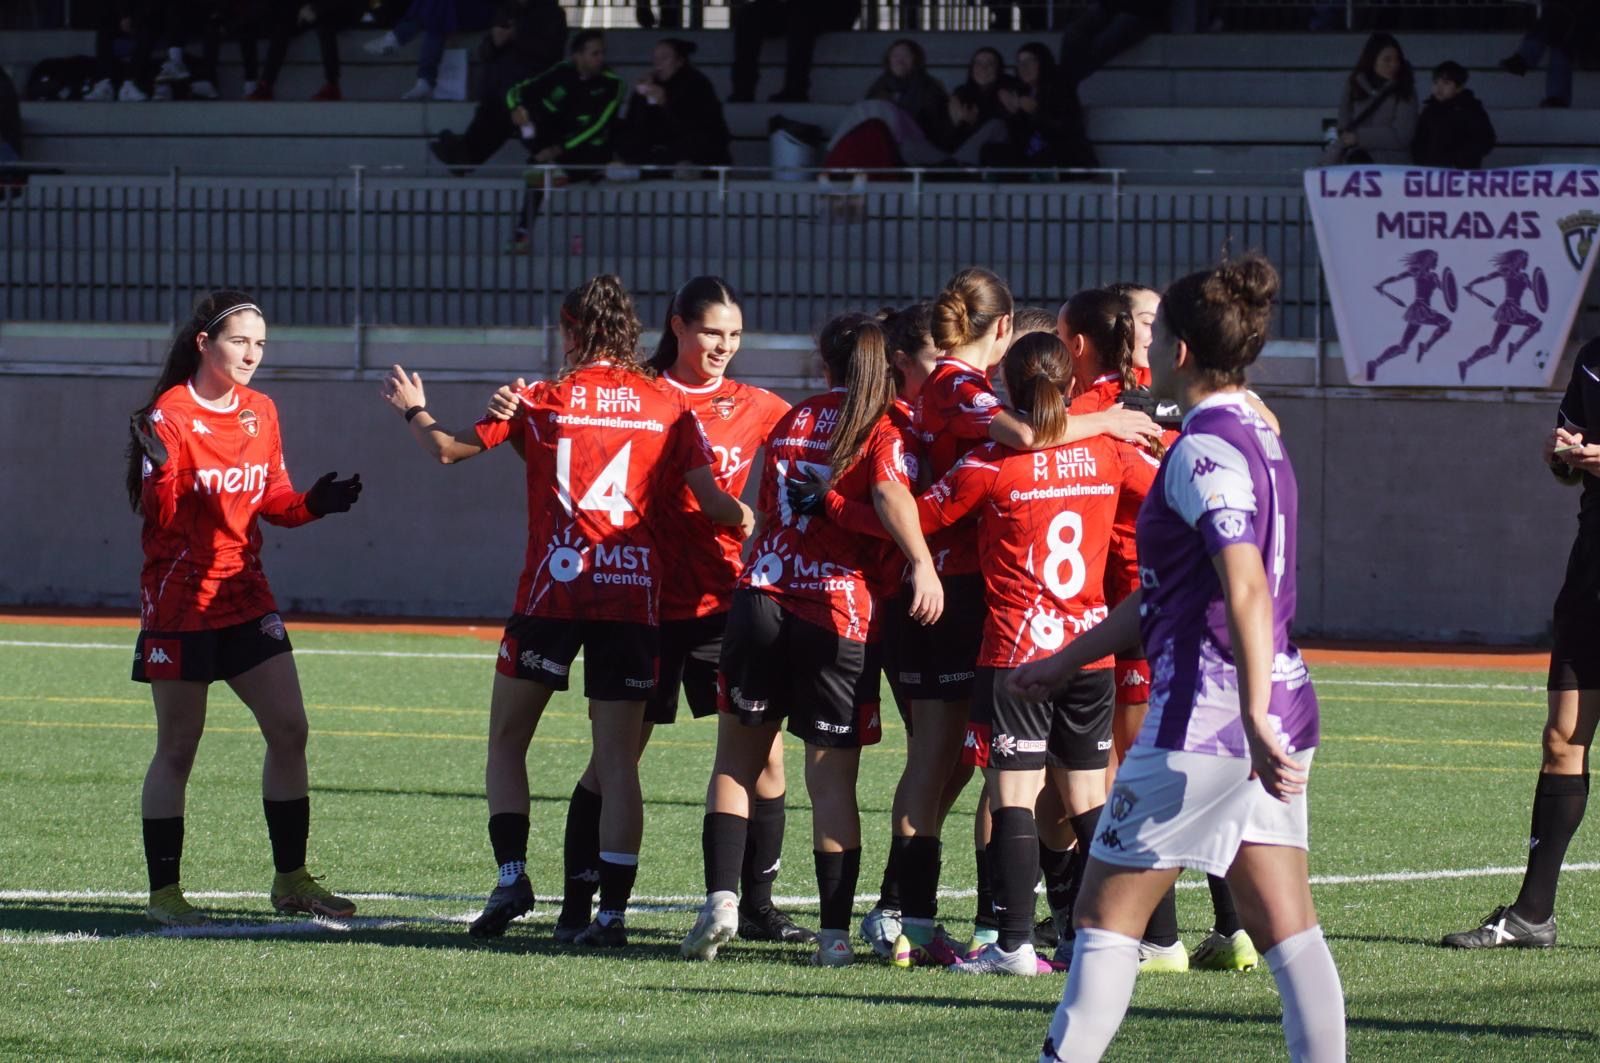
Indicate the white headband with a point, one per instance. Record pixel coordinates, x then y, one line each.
231 310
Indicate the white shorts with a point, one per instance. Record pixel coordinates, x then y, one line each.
1170 809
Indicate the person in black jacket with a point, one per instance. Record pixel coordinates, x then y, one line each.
906 83
674 117
568 115
1453 130
1106 30
524 41
798 22
1046 120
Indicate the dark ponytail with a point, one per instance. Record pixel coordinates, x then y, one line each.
690 303
1105 319
856 352
183 361
1038 372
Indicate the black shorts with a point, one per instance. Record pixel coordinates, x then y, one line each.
690 650
776 666
621 656
1575 657
891 615
939 663
208 656
1072 730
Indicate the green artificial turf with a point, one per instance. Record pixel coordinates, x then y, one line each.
1425 772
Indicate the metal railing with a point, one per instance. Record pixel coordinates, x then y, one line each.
362 250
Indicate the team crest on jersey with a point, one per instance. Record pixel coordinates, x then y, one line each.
724 405
272 627
247 421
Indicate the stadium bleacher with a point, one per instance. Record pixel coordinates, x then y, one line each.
1237 108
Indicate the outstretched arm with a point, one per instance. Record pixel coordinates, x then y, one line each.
404 392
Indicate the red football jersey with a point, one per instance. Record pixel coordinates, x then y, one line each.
605 448
202 541
817 570
1122 566
701 560
1044 525
953 415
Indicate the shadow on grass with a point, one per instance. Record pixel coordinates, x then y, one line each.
794 802
1432 943
1513 1031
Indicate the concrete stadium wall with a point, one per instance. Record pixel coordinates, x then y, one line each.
1420 518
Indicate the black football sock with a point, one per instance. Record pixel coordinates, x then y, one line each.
1225 918
1059 885
1162 929
723 843
288 826
508 836
763 853
1014 860
617 872
1558 803
985 919
1083 826
580 856
919 875
163 849
836 886
889 891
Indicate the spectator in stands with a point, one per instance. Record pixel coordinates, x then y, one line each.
279 21
674 117
126 27
967 131
1453 130
433 21
1378 110
1561 25
568 115
986 76
671 14
524 41
906 83
1045 123
799 22
1106 30
182 21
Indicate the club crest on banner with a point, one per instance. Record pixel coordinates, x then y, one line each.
1450 278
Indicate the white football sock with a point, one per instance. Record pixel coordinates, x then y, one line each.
1313 1000
1104 967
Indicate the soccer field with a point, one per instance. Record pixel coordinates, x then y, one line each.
1419 823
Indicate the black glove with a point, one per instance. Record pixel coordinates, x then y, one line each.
803 502
144 436
328 495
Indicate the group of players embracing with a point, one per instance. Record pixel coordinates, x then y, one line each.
1000 557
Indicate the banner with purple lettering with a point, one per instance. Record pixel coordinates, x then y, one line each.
1455 277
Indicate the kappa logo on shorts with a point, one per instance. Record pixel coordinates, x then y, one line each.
827 727
159 656
639 684
1102 746
975 748
957 677
1121 803
1109 838
505 650
272 627
163 659
1133 677
911 677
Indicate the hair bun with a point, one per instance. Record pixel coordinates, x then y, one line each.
1249 280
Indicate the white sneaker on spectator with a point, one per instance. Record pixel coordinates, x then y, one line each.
102 92
204 90
172 70
131 93
388 44
420 91
163 92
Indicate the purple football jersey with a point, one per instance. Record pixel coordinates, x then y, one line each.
1226 480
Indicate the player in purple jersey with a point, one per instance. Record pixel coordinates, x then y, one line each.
1216 779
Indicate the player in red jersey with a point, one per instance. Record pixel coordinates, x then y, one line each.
956 411
206 464
1043 523
603 443
797 636
700 566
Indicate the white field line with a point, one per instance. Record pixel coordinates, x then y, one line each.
489 655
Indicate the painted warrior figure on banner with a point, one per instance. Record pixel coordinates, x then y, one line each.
1422 268
1512 268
